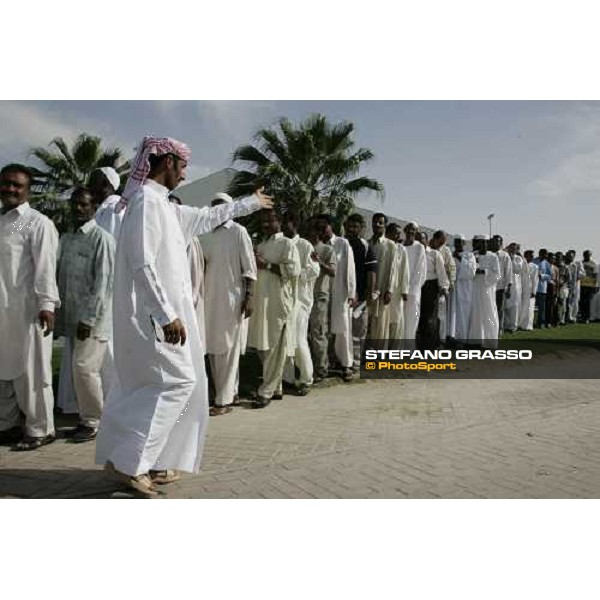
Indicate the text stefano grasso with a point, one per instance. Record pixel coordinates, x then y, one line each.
372 354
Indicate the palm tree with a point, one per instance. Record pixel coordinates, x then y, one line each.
67 168
310 169
70 167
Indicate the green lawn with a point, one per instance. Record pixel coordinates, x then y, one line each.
578 331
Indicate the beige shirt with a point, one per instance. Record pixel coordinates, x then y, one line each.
327 255
275 295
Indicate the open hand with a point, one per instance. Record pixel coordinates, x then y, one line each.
266 201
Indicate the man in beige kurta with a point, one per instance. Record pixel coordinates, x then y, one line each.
387 277
271 330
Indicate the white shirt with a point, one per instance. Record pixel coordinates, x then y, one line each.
417 263
28 250
506 269
107 218
274 295
435 268
309 271
229 260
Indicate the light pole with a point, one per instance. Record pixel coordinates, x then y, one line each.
489 218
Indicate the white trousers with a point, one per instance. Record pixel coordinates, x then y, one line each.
412 312
37 406
344 347
302 358
225 372
273 362
443 317
88 358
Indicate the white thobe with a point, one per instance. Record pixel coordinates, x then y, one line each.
462 295
109 219
505 265
483 323
155 418
229 262
28 250
444 304
417 264
513 304
309 271
196 260
401 288
529 284
343 288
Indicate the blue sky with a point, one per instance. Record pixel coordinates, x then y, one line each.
445 164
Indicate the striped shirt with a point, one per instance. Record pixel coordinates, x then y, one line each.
85 281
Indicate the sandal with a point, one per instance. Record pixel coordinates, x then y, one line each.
140 483
32 443
215 411
302 390
236 401
164 477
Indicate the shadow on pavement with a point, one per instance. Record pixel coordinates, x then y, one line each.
57 483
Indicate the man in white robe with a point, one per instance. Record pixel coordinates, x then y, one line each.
386 254
417 266
28 301
103 184
504 285
271 329
400 291
461 297
230 277
483 324
512 303
438 241
529 285
309 272
154 421
343 296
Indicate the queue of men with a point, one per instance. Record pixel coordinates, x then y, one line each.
143 289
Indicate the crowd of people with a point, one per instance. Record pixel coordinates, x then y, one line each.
144 289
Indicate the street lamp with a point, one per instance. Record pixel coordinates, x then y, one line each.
489 218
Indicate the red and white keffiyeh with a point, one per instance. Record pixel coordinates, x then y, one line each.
140 167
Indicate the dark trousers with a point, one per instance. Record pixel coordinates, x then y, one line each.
585 300
428 330
540 303
500 307
551 308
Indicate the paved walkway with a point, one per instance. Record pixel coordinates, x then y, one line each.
377 439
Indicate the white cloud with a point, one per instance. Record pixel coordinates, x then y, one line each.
578 170
24 125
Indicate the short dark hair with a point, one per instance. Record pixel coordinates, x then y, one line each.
438 234
81 190
378 216
325 217
392 227
498 237
18 168
356 218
